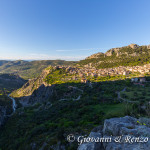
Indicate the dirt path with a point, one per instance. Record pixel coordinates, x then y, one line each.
123 99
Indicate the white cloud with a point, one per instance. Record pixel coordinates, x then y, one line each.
43 57
70 50
63 50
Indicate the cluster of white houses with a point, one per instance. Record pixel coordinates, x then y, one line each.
83 73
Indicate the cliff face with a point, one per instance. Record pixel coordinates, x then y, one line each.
118 52
42 94
95 55
112 51
53 82
121 56
34 91
33 84
123 132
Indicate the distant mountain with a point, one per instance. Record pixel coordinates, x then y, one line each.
130 55
29 69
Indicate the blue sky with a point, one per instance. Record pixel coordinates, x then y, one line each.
70 29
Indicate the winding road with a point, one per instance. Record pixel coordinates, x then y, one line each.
125 100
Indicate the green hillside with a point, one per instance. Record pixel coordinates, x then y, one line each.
26 69
51 124
72 108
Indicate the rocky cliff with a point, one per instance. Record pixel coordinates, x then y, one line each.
132 54
53 82
95 55
117 51
125 133
34 91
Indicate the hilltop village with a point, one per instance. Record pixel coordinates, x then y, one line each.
87 72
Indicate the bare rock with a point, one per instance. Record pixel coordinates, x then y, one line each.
92 145
126 134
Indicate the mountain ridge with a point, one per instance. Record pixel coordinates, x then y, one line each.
29 69
130 55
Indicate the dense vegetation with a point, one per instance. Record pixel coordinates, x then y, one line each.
8 83
5 101
138 94
127 57
50 124
29 69
75 107
58 76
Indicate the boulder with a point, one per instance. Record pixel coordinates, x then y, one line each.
133 46
126 133
92 145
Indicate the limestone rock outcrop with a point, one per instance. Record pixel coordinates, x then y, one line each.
133 46
126 133
34 91
95 55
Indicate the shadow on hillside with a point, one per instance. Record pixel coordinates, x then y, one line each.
11 81
68 116
105 91
91 92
